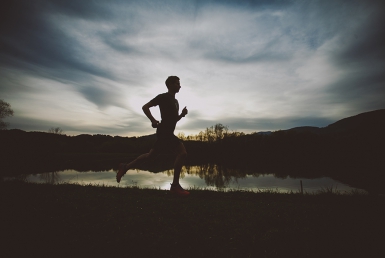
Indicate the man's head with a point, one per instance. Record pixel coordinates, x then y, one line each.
173 83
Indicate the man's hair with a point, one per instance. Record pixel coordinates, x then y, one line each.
171 79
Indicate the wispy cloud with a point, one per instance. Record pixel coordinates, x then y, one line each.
253 65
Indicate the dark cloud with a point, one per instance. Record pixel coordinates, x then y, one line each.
259 57
32 45
359 90
248 3
365 44
101 97
27 38
363 58
114 40
119 46
287 26
92 10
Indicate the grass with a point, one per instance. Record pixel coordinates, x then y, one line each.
63 220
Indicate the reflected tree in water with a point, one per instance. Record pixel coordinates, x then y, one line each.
22 177
50 177
216 175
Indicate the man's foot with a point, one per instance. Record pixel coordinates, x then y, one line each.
178 190
121 171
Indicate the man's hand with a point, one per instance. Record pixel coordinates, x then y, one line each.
154 123
184 112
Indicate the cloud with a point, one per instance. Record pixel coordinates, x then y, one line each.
31 42
362 59
98 96
274 64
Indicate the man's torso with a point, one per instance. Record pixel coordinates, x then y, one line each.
169 110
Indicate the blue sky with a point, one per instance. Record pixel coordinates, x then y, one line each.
89 66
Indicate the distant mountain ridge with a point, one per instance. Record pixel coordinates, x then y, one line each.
367 122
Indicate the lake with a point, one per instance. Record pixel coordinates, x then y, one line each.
207 176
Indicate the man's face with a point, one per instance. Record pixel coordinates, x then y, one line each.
175 87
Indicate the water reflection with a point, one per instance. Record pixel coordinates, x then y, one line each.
50 177
211 176
215 175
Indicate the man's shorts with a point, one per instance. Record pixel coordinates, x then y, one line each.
166 138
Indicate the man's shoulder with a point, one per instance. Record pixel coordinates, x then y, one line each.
165 96
161 98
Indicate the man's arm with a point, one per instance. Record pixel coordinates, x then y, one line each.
183 114
147 112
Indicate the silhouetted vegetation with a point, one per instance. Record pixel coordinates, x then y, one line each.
5 111
56 130
350 150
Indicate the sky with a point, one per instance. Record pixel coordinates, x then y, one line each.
88 67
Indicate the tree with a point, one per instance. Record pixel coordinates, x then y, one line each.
182 136
56 130
220 131
5 111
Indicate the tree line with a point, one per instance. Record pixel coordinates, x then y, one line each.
211 134
355 158
215 143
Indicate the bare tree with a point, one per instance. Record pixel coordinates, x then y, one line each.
220 131
182 136
5 111
56 130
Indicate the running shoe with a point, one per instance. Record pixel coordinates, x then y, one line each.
121 171
178 190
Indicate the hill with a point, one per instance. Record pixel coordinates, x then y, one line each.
361 123
367 122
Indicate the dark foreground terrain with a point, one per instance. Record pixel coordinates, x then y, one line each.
94 221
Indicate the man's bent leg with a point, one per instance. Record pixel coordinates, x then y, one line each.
123 167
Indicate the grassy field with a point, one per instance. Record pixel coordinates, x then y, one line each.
62 220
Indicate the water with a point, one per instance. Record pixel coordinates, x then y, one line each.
208 177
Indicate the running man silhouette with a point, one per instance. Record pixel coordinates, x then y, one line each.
169 110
